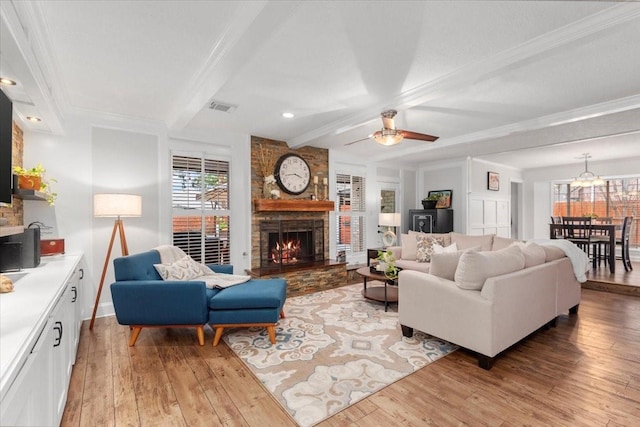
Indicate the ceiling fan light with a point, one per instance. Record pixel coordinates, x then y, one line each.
388 137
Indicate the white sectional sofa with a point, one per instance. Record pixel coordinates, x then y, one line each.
486 301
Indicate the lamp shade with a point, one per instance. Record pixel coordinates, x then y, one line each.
389 219
115 205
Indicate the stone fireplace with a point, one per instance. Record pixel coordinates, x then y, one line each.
288 244
290 235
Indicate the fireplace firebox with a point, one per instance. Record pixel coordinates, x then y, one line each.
289 244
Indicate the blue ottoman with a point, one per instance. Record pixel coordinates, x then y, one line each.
258 302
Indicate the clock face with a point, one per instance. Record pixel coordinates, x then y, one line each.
292 174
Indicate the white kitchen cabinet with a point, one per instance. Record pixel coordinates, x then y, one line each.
35 379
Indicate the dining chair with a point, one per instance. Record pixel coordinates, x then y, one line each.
623 242
577 229
600 241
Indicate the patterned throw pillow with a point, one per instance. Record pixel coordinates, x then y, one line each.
425 247
184 269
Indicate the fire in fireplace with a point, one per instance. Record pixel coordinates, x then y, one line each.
286 252
288 243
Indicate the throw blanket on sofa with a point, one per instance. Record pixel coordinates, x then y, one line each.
177 265
578 258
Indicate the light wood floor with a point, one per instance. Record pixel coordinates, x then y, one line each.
586 371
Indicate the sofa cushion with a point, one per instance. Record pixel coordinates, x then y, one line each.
552 253
425 247
406 264
474 267
409 246
445 264
256 293
465 241
533 253
501 242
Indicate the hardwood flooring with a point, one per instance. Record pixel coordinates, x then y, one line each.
586 371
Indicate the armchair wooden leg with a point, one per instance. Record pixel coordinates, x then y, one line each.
216 338
282 314
200 331
271 329
134 335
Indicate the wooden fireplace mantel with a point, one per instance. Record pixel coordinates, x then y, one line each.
293 205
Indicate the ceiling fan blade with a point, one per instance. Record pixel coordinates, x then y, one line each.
418 136
359 140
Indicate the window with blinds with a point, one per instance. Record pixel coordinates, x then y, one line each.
200 206
350 213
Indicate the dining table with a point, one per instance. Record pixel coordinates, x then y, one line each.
557 231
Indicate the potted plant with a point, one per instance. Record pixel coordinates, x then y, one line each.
431 201
33 179
387 264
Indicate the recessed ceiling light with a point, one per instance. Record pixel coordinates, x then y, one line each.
287 115
34 119
5 81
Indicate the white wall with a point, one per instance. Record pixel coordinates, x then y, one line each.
446 176
100 155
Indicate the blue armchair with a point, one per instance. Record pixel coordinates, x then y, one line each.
141 299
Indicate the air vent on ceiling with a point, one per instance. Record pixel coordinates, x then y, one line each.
222 106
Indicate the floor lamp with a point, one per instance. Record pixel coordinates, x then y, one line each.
118 206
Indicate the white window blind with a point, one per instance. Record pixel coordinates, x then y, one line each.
200 202
350 213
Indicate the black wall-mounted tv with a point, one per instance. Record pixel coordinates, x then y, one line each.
6 132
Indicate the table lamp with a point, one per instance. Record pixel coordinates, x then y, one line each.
389 220
114 206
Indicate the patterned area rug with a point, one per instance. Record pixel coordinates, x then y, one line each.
333 349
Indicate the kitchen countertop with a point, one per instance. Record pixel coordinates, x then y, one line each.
24 312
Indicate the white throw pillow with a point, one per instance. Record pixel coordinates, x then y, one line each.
474 268
439 249
184 269
409 247
425 247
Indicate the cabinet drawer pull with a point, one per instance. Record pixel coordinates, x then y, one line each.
75 293
57 340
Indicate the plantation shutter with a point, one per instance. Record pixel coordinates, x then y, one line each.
200 207
350 213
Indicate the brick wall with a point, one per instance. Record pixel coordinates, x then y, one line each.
15 213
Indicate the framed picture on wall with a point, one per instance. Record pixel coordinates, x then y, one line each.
444 202
493 181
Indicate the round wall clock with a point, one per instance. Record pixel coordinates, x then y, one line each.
292 173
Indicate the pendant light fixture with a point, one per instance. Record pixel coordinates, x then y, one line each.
587 178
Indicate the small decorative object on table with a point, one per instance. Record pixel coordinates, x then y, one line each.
430 201
387 264
341 256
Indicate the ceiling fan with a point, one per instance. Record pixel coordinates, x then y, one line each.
389 135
